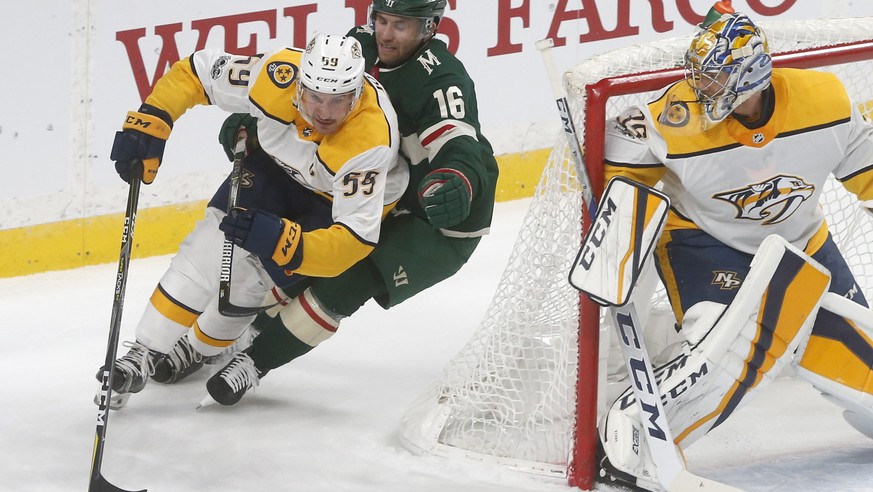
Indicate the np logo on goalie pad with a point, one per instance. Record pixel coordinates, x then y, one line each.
625 230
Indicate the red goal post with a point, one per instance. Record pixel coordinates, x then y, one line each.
525 391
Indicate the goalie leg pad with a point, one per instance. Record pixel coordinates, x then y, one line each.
731 352
838 359
624 443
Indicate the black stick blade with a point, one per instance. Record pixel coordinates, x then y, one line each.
100 484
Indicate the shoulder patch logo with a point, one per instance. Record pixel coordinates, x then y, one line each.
428 60
675 114
771 201
218 66
632 123
282 73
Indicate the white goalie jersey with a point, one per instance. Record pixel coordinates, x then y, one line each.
814 131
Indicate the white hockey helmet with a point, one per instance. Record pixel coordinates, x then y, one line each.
331 64
728 61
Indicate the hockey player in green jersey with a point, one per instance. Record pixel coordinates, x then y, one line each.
444 213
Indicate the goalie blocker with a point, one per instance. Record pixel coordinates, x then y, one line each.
624 232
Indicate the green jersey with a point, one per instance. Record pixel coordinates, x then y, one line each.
435 101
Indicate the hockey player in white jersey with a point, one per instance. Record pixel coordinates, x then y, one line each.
743 151
310 202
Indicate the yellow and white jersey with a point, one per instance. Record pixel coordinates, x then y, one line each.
741 185
358 167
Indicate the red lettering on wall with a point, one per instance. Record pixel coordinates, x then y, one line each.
230 24
509 15
688 14
505 13
762 9
169 54
596 31
449 30
659 21
299 14
361 8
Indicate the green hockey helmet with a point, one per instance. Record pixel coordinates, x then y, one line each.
429 11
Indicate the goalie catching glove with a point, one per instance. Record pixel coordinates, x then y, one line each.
139 146
265 235
446 195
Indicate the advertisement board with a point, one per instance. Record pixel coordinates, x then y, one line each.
83 64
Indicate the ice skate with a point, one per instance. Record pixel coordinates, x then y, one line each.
130 375
181 362
228 385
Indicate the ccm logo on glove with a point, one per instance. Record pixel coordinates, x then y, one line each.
139 147
446 195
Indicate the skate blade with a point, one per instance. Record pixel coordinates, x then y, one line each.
117 401
206 402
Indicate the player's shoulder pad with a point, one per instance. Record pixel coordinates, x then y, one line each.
675 106
818 94
365 35
364 30
631 122
669 106
275 87
372 124
435 60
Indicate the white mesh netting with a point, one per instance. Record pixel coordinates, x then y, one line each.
509 394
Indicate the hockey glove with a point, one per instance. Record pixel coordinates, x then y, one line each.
230 128
446 195
265 235
139 146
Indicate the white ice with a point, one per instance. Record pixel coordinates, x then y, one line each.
328 421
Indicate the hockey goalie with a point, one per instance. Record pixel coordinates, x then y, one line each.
754 278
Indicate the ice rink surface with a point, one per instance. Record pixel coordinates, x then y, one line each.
328 421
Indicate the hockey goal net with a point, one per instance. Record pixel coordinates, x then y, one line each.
524 390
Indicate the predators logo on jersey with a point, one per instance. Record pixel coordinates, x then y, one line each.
771 201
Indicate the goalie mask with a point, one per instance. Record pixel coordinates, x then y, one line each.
429 11
727 63
331 80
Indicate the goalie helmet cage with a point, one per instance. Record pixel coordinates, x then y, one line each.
523 391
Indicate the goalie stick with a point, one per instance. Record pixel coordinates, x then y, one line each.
671 470
225 306
97 483
545 46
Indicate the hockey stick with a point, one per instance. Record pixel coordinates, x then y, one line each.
225 306
670 468
545 46
97 482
